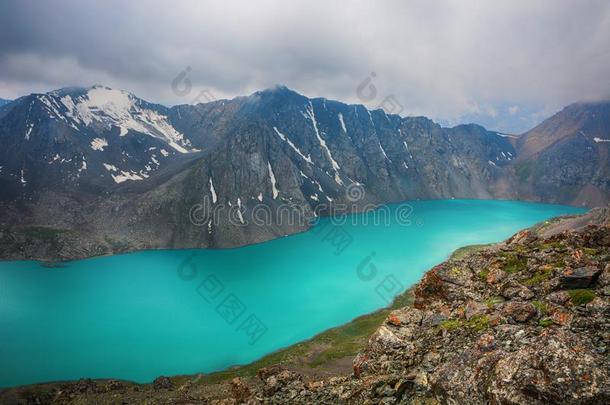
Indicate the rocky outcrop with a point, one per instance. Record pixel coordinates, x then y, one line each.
524 322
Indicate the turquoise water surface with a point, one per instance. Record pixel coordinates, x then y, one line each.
137 316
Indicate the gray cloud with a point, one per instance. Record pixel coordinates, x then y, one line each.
505 64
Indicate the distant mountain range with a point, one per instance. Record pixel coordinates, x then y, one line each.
87 171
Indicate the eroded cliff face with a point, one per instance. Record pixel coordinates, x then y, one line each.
522 322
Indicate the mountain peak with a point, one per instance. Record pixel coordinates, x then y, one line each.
278 89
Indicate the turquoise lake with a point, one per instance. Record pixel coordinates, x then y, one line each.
140 315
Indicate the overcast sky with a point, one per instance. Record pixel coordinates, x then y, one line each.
505 64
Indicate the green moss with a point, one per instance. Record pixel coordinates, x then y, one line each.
549 245
478 322
462 252
451 324
545 322
514 263
483 274
590 251
455 271
539 277
541 306
581 296
492 301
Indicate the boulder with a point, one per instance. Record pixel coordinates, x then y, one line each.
163 383
241 392
519 311
581 277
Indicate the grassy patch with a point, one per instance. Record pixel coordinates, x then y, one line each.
455 271
541 306
558 263
551 245
590 251
492 301
581 296
483 275
462 252
336 343
539 277
451 324
545 322
478 323
514 263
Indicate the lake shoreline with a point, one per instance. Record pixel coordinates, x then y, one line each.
326 347
53 261
217 385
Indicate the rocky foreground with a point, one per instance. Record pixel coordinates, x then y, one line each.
522 322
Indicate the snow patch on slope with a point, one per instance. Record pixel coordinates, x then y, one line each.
28 131
116 108
213 192
273 182
342 123
99 144
335 165
293 146
384 154
124 176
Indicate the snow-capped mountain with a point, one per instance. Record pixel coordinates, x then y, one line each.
131 171
78 138
102 109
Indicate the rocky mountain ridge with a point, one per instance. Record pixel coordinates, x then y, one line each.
99 171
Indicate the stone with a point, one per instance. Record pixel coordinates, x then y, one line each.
474 308
486 342
393 320
581 277
604 278
519 311
433 319
559 297
495 276
163 382
241 392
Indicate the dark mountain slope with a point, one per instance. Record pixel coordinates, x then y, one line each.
565 159
117 173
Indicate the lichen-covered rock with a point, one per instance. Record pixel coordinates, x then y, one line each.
558 367
519 311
